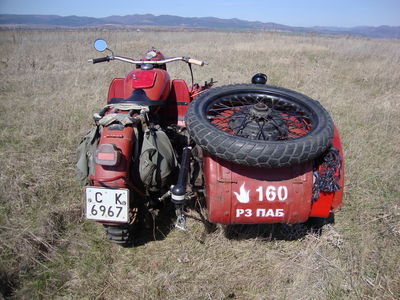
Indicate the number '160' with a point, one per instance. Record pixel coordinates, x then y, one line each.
271 193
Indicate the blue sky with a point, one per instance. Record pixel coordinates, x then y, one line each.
343 13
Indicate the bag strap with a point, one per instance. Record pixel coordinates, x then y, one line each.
124 119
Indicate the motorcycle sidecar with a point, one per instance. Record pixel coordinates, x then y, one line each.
271 155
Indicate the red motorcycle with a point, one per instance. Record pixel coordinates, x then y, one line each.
256 153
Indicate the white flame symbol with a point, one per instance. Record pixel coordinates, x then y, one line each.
243 197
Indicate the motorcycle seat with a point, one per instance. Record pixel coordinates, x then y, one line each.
138 96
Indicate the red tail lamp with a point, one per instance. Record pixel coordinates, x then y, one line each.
108 155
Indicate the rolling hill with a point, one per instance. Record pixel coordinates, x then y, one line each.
192 22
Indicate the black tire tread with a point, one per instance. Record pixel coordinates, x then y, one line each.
257 153
119 234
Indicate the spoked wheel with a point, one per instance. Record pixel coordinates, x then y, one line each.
252 118
259 125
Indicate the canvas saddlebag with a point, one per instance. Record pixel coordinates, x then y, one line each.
86 151
157 160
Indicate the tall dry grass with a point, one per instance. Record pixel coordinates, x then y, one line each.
48 93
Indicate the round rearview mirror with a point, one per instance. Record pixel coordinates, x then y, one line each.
100 45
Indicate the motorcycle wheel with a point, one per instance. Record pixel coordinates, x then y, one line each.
120 234
259 125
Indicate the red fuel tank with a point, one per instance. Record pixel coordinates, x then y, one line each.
155 83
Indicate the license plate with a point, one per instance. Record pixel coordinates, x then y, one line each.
104 204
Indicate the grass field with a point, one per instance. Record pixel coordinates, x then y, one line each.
48 93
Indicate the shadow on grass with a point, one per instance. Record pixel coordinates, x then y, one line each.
154 226
158 227
271 232
8 283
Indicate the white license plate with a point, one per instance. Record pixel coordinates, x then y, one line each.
104 204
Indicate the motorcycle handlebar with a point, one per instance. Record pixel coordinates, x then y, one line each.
100 59
196 62
154 62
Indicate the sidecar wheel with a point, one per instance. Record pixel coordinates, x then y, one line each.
259 125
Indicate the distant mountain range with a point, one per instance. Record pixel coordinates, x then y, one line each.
52 21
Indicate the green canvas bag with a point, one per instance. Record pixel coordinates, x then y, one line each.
86 152
157 160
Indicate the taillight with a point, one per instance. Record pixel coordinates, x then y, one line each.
108 155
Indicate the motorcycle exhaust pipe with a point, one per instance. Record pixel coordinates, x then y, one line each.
178 191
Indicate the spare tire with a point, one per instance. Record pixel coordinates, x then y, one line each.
259 125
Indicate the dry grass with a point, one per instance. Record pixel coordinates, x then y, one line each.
47 95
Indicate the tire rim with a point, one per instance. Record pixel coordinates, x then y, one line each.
260 116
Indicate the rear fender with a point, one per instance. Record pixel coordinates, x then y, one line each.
116 89
116 176
178 102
